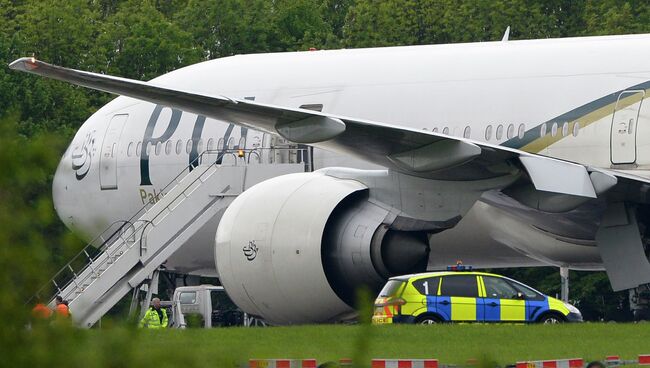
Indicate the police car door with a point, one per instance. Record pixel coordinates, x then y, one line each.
501 301
428 287
459 298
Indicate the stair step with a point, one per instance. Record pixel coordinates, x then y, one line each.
113 254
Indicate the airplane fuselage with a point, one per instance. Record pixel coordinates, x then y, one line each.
580 99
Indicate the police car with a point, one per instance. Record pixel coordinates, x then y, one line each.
460 295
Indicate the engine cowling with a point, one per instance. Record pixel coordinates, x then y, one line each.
294 249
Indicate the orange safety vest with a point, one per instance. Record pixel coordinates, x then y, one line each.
41 311
62 310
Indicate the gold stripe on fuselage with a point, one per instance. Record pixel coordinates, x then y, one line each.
541 143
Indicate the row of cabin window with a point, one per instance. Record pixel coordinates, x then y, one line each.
510 133
180 145
521 130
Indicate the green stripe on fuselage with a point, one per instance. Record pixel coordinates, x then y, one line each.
586 114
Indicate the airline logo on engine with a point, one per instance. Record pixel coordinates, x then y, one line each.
250 251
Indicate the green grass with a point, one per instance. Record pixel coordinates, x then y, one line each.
449 343
232 347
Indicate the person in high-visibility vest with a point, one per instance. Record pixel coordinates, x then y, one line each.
41 312
156 317
61 310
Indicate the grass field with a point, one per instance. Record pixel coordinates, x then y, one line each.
502 344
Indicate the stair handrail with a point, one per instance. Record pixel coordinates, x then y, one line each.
83 251
182 193
101 248
110 240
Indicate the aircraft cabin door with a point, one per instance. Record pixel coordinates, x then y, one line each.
108 157
624 127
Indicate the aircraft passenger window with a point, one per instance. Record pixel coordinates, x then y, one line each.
435 130
168 147
231 143
199 146
149 145
138 149
129 150
242 142
576 128
188 146
522 131
220 144
542 130
499 134
467 132
158 148
445 130
498 288
488 132
210 146
428 286
554 130
511 131
565 129
459 285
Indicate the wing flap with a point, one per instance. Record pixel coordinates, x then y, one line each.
557 176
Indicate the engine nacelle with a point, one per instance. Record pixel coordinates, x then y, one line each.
293 249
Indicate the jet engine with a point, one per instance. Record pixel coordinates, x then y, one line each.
295 248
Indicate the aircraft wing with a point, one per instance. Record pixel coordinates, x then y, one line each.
410 151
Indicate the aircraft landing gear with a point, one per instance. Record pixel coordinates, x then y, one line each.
640 302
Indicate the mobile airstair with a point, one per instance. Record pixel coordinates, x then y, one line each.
126 254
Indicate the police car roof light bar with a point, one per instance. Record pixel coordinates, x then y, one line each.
459 267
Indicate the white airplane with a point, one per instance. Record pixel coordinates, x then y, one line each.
514 153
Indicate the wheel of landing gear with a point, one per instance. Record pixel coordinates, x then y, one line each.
641 315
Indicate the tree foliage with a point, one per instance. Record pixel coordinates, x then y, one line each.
139 42
143 39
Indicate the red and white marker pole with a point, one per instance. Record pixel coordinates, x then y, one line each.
558 363
282 363
404 363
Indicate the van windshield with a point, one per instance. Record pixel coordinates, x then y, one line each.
391 287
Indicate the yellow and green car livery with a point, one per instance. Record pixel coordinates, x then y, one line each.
466 297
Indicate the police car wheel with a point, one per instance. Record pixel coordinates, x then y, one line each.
551 319
429 320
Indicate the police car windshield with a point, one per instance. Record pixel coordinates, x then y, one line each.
390 288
